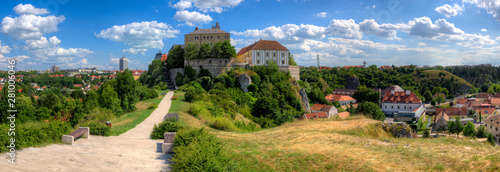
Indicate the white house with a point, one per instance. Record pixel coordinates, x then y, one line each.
403 105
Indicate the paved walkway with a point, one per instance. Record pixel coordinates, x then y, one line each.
131 151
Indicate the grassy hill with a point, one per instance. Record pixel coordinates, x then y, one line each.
438 74
355 144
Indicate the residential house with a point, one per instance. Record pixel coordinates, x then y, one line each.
492 125
460 103
395 88
314 115
263 51
453 112
329 109
403 105
441 120
496 95
495 102
473 103
485 113
483 96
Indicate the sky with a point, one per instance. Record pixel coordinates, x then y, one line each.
80 34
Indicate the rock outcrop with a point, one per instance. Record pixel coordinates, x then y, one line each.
398 129
245 81
352 82
304 99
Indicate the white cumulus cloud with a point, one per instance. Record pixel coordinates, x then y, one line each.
484 30
421 44
48 50
321 14
370 26
141 51
448 10
140 34
288 32
4 49
30 26
181 5
344 29
29 9
491 6
424 27
192 17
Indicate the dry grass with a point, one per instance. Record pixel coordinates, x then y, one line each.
338 145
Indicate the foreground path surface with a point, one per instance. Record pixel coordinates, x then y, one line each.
131 151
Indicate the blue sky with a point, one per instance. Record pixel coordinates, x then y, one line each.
75 34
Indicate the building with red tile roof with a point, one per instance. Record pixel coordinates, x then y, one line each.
343 99
263 51
314 115
483 96
460 102
453 112
329 109
403 105
385 67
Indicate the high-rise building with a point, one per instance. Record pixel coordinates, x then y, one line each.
55 68
123 63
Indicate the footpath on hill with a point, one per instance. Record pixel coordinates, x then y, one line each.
130 151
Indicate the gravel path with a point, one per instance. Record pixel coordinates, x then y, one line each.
131 151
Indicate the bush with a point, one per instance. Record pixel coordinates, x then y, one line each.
153 106
178 79
198 150
481 132
469 129
34 133
194 94
491 139
169 125
98 128
174 97
426 134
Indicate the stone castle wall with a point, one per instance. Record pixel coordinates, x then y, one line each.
216 66
294 71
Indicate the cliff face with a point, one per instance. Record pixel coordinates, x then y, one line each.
398 129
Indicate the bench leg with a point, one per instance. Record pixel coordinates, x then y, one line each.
167 148
87 133
68 139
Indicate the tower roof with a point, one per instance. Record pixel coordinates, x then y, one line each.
217 25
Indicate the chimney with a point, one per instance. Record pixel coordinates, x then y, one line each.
407 92
392 92
196 28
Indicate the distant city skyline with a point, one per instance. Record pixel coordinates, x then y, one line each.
87 34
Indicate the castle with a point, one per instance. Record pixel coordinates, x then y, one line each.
259 53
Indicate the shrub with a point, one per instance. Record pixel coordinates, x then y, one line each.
469 129
34 133
426 134
198 150
481 132
98 128
491 139
153 106
174 97
178 79
194 94
169 125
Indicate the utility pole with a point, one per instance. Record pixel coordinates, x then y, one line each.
318 61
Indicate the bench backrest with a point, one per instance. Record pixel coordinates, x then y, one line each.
78 132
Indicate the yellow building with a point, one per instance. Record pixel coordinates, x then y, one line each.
206 36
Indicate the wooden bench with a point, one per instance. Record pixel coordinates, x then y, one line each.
80 132
168 142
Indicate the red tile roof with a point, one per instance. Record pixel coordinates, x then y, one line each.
343 115
358 66
341 98
494 101
263 45
496 95
483 96
314 115
461 101
322 107
453 111
485 111
401 97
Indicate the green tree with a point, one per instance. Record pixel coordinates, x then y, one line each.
481 132
491 139
91 100
433 102
216 50
440 99
451 127
364 93
190 73
109 99
291 60
458 126
428 95
77 94
191 51
228 51
373 109
205 51
125 87
175 58
469 130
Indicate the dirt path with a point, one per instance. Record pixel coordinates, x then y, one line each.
131 151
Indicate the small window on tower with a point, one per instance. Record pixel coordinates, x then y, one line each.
282 61
258 61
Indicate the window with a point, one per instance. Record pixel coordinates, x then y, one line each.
405 107
210 61
410 107
258 54
486 125
282 54
210 37
224 36
258 61
398 107
283 62
386 106
267 54
210 44
218 37
274 54
392 107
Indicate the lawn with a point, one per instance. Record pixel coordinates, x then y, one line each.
179 104
129 120
355 144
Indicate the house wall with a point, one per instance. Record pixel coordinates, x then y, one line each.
260 57
211 38
495 131
442 123
347 102
332 112
409 115
391 108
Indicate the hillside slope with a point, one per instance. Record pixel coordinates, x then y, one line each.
441 76
350 145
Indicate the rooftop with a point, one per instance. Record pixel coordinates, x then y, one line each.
263 45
